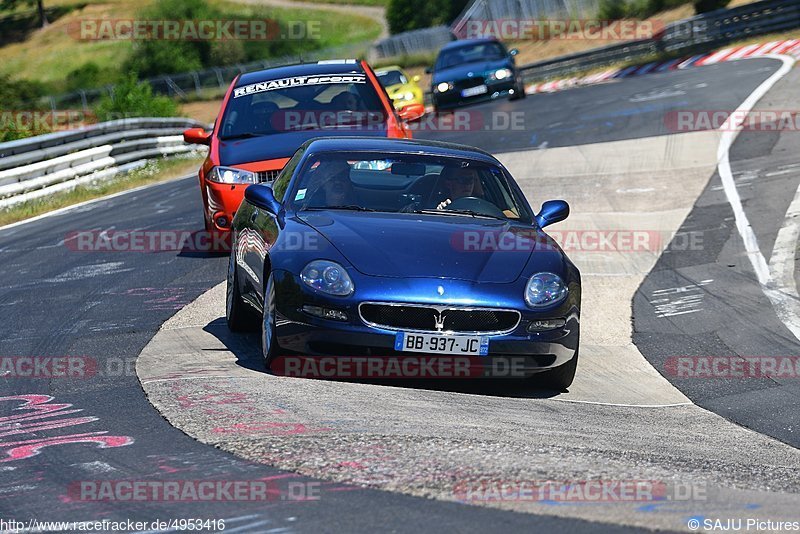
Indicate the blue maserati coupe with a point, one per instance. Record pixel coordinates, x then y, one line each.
393 248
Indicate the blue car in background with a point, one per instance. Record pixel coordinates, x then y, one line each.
474 70
397 248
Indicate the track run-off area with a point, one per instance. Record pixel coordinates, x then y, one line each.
419 454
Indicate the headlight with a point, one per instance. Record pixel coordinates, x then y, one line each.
408 96
501 74
229 175
328 277
544 289
443 87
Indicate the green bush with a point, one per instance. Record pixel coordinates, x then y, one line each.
612 10
21 94
406 15
158 56
704 6
11 130
132 98
90 75
635 9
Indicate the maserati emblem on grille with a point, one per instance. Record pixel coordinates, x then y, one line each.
439 321
440 290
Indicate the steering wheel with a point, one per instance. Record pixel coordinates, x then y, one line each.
478 205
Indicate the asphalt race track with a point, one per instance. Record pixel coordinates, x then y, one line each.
108 306
721 311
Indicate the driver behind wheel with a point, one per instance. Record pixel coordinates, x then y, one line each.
331 186
458 182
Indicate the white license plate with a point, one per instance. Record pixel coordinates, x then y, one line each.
442 344
472 91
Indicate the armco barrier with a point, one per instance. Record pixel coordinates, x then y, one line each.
694 35
34 167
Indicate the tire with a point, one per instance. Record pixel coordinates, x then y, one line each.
561 377
269 341
519 91
239 316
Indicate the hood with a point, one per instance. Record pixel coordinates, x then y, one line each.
280 145
425 246
461 72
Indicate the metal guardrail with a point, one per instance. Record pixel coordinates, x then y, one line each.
694 35
38 166
425 40
482 10
196 82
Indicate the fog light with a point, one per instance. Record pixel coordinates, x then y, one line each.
546 324
325 313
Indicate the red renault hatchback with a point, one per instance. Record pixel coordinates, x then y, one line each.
267 115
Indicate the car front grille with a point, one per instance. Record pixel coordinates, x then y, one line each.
267 176
424 318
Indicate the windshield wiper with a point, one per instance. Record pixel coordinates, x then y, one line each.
458 212
245 135
351 207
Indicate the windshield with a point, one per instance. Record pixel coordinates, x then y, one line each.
470 54
302 103
411 183
391 77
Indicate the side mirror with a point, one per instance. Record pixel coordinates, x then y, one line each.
262 196
513 52
553 211
197 136
416 78
428 70
412 112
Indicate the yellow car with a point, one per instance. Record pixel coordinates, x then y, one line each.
401 89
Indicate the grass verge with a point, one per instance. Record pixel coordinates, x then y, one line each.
48 55
378 3
155 171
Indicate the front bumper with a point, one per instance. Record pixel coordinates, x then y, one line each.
400 103
519 351
453 99
222 201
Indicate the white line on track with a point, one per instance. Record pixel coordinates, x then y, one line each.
598 403
776 277
177 378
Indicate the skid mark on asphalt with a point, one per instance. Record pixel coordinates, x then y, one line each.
681 300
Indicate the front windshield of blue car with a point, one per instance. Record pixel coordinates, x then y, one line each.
407 183
470 54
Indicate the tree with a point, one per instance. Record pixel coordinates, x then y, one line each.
405 15
12 4
704 6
